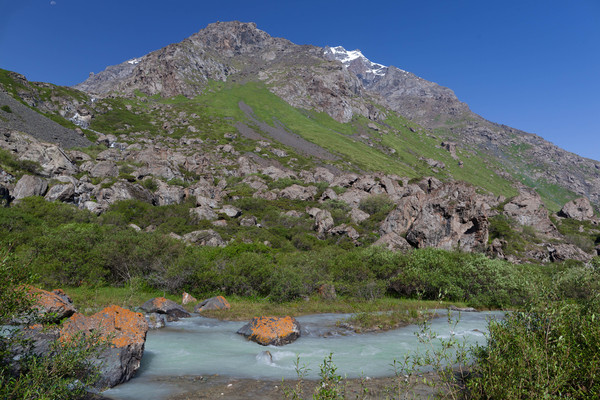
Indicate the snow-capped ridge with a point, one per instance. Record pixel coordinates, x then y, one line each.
356 61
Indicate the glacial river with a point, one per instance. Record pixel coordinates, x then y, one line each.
203 346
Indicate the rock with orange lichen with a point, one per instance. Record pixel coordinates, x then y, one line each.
61 293
48 306
277 331
214 303
125 331
188 298
162 305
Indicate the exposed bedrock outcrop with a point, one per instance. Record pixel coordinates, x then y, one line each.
451 216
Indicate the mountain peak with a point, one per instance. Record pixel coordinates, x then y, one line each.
357 63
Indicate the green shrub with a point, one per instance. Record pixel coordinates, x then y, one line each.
150 184
17 167
6 108
549 351
62 373
376 204
473 278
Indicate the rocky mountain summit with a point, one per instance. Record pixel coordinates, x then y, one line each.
344 84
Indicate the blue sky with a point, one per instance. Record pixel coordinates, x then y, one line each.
533 65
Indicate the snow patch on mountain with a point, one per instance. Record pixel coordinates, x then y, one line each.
355 61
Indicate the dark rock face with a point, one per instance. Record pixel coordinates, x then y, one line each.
451 216
127 333
276 331
162 305
415 97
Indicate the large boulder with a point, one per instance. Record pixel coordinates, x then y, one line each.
168 194
51 158
203 213
29 185
404 215
206 237
528 210
453 216
64 192
214 303
447 216
297 192
562 251
231 211
124 190
163 305
357 215
393 241
353 197
276 331
579 209
126 332
323 222
104 169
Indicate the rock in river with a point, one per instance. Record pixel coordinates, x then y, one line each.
277 331
162 305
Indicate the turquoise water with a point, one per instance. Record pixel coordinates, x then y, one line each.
204 346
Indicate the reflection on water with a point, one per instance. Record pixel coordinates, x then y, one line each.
203 346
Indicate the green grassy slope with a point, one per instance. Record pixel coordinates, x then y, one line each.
395 148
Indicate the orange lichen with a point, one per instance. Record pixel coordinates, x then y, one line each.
188 298
224 303
265 330
123 327
48 302
159 302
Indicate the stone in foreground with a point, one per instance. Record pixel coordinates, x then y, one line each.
276 331
162 305
126 330
214 303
